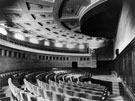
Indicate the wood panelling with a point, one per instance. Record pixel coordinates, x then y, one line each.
125 66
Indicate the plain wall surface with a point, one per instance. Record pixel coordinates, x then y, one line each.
126 28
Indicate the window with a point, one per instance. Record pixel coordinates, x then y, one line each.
57 58
23 55
39 57
5 52
15 54
43 57
60 58
10 53
53 57
63 58
50 57
19 55
81 59
88 59
46 57
0 51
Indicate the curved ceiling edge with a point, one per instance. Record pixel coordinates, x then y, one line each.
91 6
11 45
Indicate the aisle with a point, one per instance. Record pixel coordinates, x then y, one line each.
117 91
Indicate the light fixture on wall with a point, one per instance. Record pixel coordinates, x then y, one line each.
34 40
3 30
81 46
19 36
69 45
46 43
58 44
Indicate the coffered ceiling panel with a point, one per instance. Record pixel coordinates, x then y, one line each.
56 20
70 9
39 8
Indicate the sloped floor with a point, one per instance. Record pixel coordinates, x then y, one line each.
118 92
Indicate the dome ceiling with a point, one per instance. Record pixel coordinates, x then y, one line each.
57 20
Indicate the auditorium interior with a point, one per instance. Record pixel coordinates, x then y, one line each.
67 50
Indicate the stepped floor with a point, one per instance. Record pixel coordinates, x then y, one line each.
118 92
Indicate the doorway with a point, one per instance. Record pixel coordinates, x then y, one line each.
74 65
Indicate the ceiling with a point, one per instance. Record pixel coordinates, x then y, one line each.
102 20
57 20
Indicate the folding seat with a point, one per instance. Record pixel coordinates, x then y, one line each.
41 92
23 96
68 92
38 82
35 90
18 96
68 84
70 98
68 87
80 94
56 84
82 90
76 89
43 85
94 97
47 86
39 99
53 88
1 91
94 92
28 85
57 96
48 94
2 95
59 90
61 85
5 99
31 97
84 99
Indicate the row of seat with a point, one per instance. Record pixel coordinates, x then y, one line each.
58 85
4 94
35 89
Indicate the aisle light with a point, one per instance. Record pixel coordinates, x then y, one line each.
34 40
58 44
3 31
19 36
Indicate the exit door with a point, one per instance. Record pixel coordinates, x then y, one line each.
74 65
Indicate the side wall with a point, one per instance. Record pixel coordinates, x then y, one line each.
12 59
125 66
126 27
